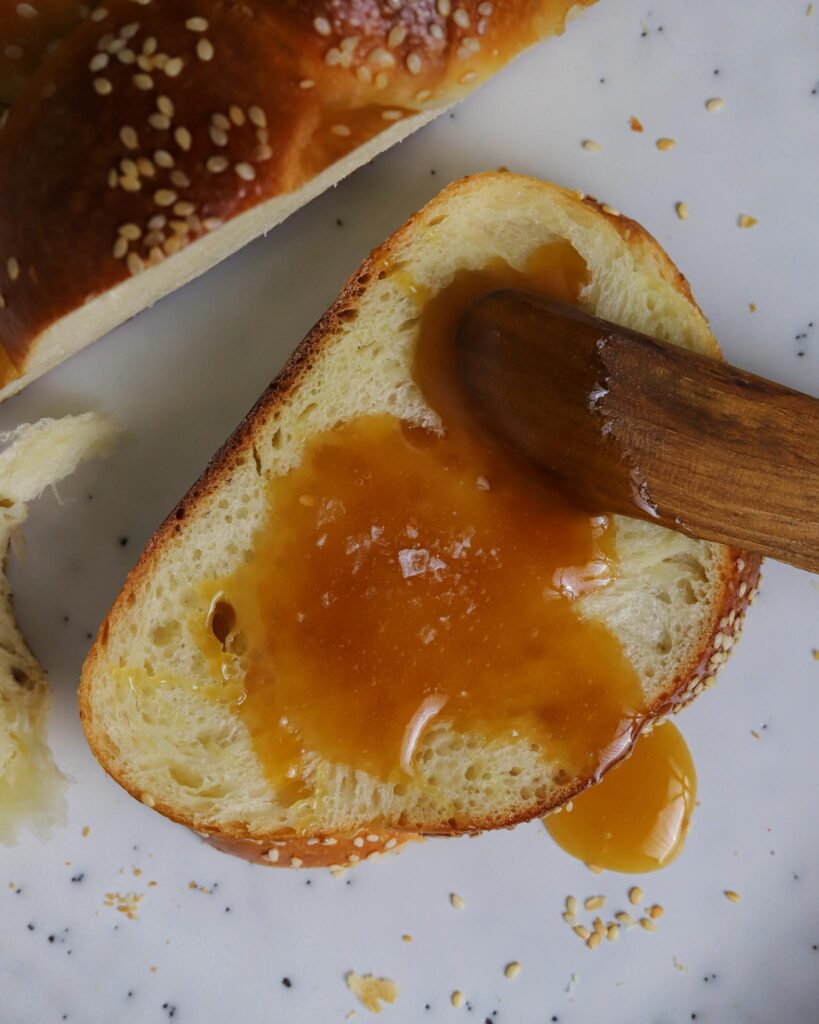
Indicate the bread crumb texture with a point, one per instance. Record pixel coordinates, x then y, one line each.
370 991
149 699
32 458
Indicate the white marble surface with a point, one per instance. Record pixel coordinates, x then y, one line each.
181 375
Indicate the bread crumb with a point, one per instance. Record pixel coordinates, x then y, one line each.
665 144
648 924
591 146
635 125
745 220
406 938
731 896
126 903
513 969
370 991
656 911
456 901
457 999
682 210
714 104
86 831
752 307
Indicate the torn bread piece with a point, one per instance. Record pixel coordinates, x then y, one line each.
35 457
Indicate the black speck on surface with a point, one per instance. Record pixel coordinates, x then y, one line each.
66 619
308 882
130 994
602 81
51 938
227 910
123 542
30 927
170 1009
716 71
79 877
349 881
89 636
814 947
426 1006
339 222
693 1016
287 983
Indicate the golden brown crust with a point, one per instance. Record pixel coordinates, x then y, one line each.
739 575
335 853
154 123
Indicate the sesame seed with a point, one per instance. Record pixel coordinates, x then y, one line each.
128 137
391 115
381 80
647 924
572 905
581 931
456 901
348 44
129 31
470 76
165 106
237 115
180 179
130 231
599 927
159 121
714 104
457 999
220 121
436 31
217 164
397 36
308 83
102 86
173 67
656 911
165 197
183 138
612 932
99 14
594 940
2 301
635 895
135 265
423 95
143 81
218 137
624 918
25 10
745 220
296 862
196 24
204 49
184 208
149 46
444 8
390 843
245 171
322 26
130 184
162 158
358 841
594 902
341 129
591 146
257 116
731 896
146 167
120 248
414 63
664 145
98 62
485 9
460 17
513 969
273 855
682 210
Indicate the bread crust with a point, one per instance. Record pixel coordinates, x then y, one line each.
155 125
739 575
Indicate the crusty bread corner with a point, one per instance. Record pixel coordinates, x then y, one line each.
676 606
35 456
163 135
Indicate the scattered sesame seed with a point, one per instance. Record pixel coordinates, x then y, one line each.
731 896
159 121
656 911
120 248
245 171
218 136
128 137
682 210
648 924
572 905
594 940
184 208
594 902
456 901
296 862
143 81
217 164
183 138
146 167
512 970
664 145
745 220
581 931
714 104
98 62
635 895
196 24
406 938
624 918
444 8
322 26
165 197
308 83
165 106
204 49
162 158
13 268
131 232
102 86
341 130
180 179
237 115
591 146
257 116
173 67
612 932
460 17
457 999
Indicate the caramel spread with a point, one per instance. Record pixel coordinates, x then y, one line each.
406 577
637 817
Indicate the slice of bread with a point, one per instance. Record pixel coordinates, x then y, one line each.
35 456
675 605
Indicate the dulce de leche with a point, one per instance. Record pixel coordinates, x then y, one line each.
409 580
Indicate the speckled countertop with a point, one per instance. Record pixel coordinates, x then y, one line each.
125 917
